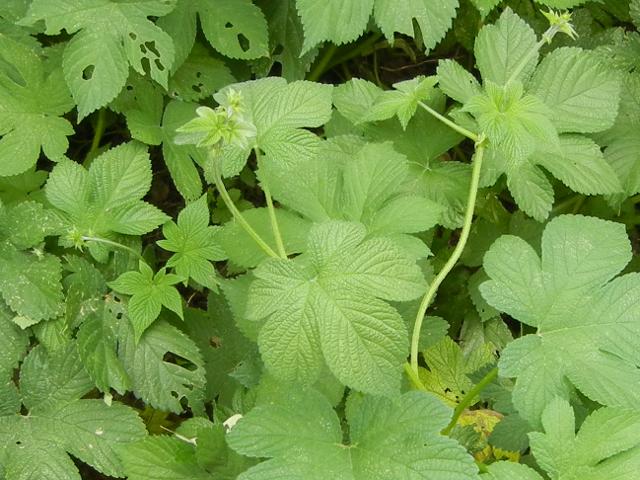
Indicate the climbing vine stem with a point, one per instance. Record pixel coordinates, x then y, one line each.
455 256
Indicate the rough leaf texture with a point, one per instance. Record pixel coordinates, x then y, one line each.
587 322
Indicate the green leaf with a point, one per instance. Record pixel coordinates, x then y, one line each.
161 458
156 377
581 92
30 283
485 6
514 122
402 101
623 154
279 112
509 471
434 20
224 348
149 293
13 341
87 429
580 165
584 319
107 198
344 21
32 102
109 37
180 158
243 250
336 21
446 183
199 76
235 28
303 439
456 82
26 224
195 244
317 307
606 445
97 347
286 37
447 376
141 102
531 190
500 49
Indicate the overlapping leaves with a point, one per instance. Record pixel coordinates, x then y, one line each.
396 438
533 114
59 421
109 38
106 198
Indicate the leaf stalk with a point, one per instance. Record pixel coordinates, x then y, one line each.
468 399
237 215
461 130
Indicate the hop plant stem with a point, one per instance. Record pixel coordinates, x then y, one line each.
237 215
455 256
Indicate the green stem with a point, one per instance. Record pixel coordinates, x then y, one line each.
113 244
449 123
321 65
272 211
361 50
482 467
274 222
238 216
414 378
547 36
97 136
468 399
455 256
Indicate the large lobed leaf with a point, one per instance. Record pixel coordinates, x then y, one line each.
326 307
587 322
396 438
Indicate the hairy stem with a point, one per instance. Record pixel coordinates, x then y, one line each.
113 244
468 399
101 124
453 259
449 123
547 36
321 66
360 50
272 212
414 378
237 215
274 222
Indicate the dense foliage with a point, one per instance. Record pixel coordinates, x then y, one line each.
301 239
